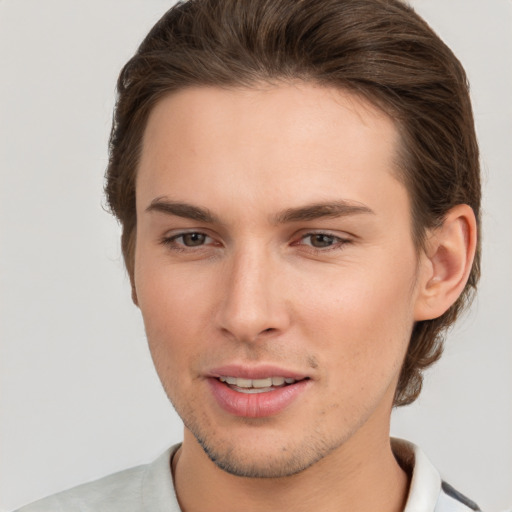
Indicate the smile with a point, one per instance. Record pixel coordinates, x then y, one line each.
258 397
256 385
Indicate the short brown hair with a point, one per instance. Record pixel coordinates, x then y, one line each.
379 49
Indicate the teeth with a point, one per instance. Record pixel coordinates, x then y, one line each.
243 383
268 382
262 383
252 391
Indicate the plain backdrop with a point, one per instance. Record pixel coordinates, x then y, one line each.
79 396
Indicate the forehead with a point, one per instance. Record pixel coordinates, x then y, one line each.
290 142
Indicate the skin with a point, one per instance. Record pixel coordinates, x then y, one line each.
332 297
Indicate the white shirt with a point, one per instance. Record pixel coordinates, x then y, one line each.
149 488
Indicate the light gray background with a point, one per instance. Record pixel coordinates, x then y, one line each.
79 396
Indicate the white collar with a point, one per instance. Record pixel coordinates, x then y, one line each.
425 485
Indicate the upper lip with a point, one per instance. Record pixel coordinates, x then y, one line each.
261 371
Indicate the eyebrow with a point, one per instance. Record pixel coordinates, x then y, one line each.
185 210
331 209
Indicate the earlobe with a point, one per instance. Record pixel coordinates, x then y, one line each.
448 257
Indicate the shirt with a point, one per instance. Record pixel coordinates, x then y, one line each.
149 488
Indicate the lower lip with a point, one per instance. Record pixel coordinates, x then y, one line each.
256 405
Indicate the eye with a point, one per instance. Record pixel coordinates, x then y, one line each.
192 239
321 240
184 241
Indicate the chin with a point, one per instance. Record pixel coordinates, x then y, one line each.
252 459
250 465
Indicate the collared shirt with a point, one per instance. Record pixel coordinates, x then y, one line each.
149 488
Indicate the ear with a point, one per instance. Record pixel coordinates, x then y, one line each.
446 263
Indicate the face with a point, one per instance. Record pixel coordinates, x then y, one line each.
275 270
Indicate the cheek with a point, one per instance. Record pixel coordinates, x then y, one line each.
361 320
174 307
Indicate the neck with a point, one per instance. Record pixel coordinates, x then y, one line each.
362 475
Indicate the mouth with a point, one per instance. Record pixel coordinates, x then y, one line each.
257 392
262 385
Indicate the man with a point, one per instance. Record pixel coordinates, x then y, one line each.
298 186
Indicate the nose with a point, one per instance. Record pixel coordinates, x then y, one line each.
253 303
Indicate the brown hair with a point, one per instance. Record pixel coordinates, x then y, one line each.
380 49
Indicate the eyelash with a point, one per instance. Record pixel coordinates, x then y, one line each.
170 241
338 243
